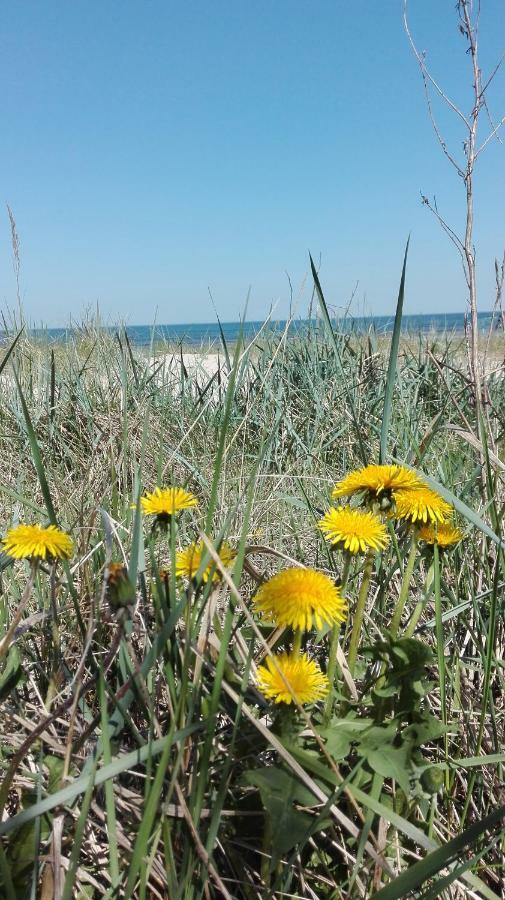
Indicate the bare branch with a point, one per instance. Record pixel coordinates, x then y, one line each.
458 243
470 31
490 136
486 107
493 73
468 20
436 129
420 58
448 230
472 36
499 272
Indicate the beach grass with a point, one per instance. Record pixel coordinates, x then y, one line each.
138 756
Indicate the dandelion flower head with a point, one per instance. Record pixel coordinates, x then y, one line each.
37 542
421 505
188 561
376 480
445 535
166 502
306 680
354 530
300 598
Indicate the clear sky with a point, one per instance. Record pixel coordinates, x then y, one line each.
154 149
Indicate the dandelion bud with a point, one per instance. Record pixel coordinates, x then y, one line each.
432 780
120 590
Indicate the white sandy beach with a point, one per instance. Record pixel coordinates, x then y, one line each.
203 363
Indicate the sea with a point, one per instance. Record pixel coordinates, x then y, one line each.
208 333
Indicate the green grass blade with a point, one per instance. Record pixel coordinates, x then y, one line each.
137 546
338 356
220 454
68 889
223 339
9 351
109 790
119 764
405 827
137 552
46 493
393 359
418 874
140 848
36 455
5 877
438 888
469 762
439 631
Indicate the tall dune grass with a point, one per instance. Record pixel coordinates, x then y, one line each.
138 757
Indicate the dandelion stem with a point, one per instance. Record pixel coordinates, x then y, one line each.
439 632
420 605
172 587
267 850
359 613
332 657
404 590
297 642
54 650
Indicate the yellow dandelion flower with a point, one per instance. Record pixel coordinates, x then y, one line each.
354 529
421 505
37 542
445 535
308 684
188 561
299 598
166 502
375 481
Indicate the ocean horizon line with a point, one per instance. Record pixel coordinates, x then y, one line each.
201 332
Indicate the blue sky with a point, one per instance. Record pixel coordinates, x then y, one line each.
153 150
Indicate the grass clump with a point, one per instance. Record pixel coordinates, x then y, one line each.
183 714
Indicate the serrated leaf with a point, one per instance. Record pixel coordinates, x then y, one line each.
342 734
378 736
279 790
391 762
273 780
387 691
419 733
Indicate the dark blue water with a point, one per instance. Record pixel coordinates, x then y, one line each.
208 332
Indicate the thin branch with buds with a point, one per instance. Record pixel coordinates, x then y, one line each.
469 19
